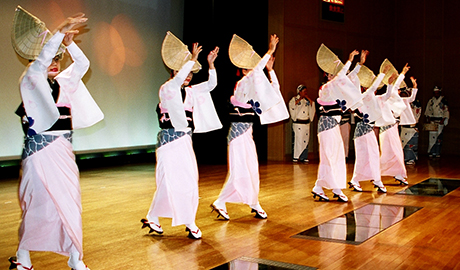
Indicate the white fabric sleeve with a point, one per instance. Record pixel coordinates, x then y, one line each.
35 90
171 98
85 111
208 85
205 117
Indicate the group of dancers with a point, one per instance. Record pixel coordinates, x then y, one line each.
55 103
180 114
347 91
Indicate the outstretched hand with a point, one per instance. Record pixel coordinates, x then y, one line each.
68 38
352 55
414 82
212 57
364 54
274 40
196 51
71 22
405 69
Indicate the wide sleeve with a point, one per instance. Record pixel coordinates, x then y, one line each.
374 85
207 86
341 88
85 111
171 98
413 95
353 76
205 117
256 88
277 112
35 91
72 75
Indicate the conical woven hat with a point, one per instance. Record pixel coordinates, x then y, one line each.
29 34
175 53
328 61
366 76
390 72
242 54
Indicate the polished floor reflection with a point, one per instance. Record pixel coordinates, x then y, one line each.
247 263
432 187
360 224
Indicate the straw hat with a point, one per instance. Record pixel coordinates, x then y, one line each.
29 34
390 72
242 54
175 53
328 61
366 76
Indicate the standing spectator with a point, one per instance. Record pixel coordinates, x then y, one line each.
302 110
437 112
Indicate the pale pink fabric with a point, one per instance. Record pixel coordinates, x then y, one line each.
367 220
367 158
49 194
176 175
332 171
392 156
242 185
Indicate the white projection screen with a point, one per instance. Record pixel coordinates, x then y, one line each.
122 40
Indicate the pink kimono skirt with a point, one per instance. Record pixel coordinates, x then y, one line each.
332 171
50 198
176 176
242 185
392 156
367 158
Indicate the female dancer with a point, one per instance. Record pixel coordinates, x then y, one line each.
180 110
242 185
49 191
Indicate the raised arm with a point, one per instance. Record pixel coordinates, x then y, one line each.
401 76
274 40
271 72
187 67
414 90
271 50
212 57
211 83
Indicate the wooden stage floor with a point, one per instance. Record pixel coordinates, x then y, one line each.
116 198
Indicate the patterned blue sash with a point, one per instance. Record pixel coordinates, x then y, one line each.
237 129
35 143
362 129
169 135
326 122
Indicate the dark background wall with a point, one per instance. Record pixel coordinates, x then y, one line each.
213 23
422 33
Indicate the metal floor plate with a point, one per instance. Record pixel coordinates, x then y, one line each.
260 264
432 187
360 224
